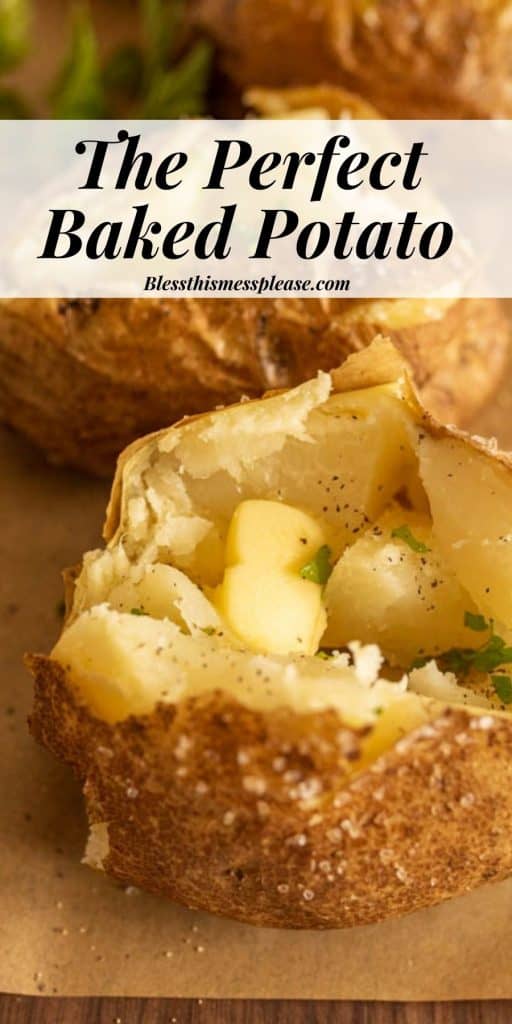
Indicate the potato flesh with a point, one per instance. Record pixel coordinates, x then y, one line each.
343 459
471 502
339 460
409 602
381 590
362 456
165 593
263 598
124 664
151 594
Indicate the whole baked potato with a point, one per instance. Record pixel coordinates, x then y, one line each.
410 58
83 378
283 683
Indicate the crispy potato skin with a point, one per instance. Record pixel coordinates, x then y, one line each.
83 378
411 58
249 815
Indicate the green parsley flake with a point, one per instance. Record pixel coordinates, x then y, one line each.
490 656
319 568
405 533
137 611
476 622
421 661
503 688
209 630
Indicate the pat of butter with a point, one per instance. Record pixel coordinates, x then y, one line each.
263 597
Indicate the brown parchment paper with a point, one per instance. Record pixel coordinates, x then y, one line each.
69 931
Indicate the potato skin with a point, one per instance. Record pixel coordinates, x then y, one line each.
83 378
411 58
249 815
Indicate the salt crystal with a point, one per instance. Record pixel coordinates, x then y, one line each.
484 722
315 819
308 788
298 840
348 826
182 747
254 784
334 835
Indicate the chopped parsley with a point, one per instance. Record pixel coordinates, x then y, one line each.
421 661
503 688
492 654
461 660
319 568
405 533
476 622
484 659
324 655
138 611
209 630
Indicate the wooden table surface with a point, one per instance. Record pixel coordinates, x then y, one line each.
39 1010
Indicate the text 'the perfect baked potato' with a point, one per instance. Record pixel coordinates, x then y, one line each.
283 683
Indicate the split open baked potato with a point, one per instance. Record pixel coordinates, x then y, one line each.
283 682
410 58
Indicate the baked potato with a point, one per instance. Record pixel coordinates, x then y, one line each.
83 378
410 58
283 682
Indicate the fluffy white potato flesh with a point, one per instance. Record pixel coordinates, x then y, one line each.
125 664
263 598
470 498
394 588
165 593
340 458
344 461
